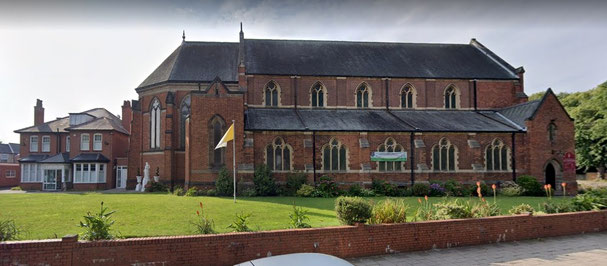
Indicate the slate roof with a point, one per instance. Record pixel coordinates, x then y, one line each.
57 158
9 148
203 61
197 62
90 157
105 120
33 158
374 120
521 112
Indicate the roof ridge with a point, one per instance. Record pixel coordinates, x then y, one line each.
45 123
359 42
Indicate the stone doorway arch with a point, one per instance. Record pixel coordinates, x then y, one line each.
553 174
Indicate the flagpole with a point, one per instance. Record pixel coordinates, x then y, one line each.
234 161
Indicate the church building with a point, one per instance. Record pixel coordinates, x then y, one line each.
323 108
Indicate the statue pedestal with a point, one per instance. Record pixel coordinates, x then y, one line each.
138 187
156 178
145 182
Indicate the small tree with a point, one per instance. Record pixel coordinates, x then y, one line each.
265 185
97 226
224 183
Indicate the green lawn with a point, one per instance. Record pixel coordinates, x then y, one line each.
51 215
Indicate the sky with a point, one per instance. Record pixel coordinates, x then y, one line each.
79 55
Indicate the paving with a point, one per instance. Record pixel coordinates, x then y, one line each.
586 249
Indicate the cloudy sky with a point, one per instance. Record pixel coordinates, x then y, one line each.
78 55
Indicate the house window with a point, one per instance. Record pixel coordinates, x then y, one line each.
10 173
155 124
496 156
444 156
451 98
46 143
67 143
89 173
4 158
318 95
552 132
184 113
84 142
33 143
362 96
407 97
217 128
97 140
278 155
390 145
271 94
334 156
30 172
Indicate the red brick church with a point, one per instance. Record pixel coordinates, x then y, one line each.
459 112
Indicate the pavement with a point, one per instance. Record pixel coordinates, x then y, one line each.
585 249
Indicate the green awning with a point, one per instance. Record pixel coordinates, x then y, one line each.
389 156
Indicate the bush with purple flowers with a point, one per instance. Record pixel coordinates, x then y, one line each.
436 190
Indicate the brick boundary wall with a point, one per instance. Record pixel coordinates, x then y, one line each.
341 241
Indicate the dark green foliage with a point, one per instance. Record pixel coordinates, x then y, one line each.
557 207
192 192
8 230
299 218
381 187
157 187
326 188
589 202
240 224
248 192
211 192
530 185
420 189
97 226
437 189
351 210
224 185
305 191
294 182
265 185
378 186
178 191
355 190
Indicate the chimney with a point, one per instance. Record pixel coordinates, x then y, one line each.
127 115
38 113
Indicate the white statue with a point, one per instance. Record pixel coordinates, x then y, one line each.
146 176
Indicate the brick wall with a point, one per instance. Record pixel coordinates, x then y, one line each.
342 241
6 181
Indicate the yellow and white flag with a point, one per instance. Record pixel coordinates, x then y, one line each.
227 137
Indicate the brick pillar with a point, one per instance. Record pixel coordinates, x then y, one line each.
168 173
187 154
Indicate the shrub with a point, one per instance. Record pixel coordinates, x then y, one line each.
367 193
265 185
521 209
157 187
352 210
18 188
178 191
513 191
557 207
404 192
355 191
8 230
530 185
224 185
454 209
420 189
485 210
211 192
299 218
454 189
485 190
97 226
203 225
192 192
248 192
436 190
588 202
389 211
305 191
391 190
240 224
294 182
326 188
378 186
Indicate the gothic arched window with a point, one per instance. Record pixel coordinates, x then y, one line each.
407 97
217 128
390 145
362 96
278 155
444 156
334 156
496 156
271 94
451 98
552 132
184 112
317 95
155 124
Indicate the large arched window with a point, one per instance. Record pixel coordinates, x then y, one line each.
552 132
407 96
155 124
496 156
451 97
278 155
317 95
444 156
363 94
334 156
217 128
184 112
390 145
271 94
